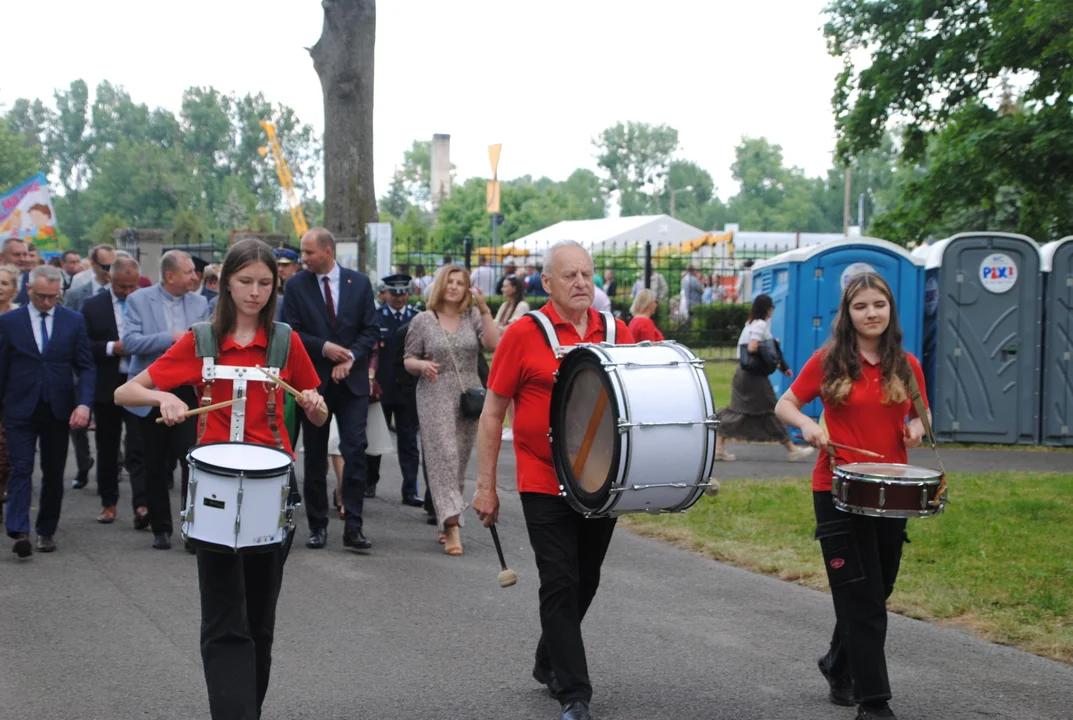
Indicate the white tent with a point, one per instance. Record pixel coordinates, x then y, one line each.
607 233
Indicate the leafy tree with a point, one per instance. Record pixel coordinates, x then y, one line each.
397 200
772 197
938 69
636 157
19 157
101 232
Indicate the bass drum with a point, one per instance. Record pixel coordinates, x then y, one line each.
632 428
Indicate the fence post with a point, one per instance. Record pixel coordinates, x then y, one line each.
467 249
648 264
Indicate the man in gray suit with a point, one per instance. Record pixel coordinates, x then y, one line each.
101 258
156 317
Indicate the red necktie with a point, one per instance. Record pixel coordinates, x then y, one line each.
329 301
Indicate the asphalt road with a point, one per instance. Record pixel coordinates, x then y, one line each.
107 628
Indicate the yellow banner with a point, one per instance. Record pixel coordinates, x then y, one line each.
492 196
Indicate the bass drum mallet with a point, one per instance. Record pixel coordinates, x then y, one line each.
507 577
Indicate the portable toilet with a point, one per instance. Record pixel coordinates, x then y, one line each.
1056 410
806 286
982 328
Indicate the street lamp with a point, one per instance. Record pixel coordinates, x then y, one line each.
687 188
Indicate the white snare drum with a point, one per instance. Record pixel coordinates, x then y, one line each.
237 499
632 428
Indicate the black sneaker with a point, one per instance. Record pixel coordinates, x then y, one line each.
874 711
841 688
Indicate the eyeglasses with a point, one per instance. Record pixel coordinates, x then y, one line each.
46 298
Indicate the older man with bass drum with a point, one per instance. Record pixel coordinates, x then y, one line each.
569 548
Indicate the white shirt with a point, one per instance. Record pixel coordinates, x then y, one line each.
120 323
35 323
756 330
484 278
333 282
600 301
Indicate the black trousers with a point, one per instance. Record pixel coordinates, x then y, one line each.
80 439
238 623
111 420
406 437
158 442
352 416
862 555
569 551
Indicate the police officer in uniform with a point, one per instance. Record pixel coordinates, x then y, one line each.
393 314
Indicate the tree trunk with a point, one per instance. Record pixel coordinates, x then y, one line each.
343 59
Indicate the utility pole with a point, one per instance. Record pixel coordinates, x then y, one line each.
845 204
492 197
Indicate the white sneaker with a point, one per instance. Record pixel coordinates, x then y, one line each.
800 453
508 435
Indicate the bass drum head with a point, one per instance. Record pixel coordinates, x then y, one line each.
585 446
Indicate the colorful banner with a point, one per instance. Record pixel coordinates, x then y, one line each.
26 212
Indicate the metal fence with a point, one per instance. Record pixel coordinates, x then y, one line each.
710 327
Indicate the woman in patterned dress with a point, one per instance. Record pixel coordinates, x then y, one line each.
442 347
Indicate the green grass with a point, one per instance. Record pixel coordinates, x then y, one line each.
998 562
720 374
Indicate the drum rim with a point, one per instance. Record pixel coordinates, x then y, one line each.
237 472
584 501
875 478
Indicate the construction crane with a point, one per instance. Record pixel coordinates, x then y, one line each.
298 218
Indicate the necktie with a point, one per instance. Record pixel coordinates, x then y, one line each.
330 302
123 307
44 334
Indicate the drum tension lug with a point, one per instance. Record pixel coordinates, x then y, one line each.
623 425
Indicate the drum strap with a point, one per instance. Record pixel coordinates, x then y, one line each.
207 348
545 324
922 413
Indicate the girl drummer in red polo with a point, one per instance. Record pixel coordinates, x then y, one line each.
864 378
238 591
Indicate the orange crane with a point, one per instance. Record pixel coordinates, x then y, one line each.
298 218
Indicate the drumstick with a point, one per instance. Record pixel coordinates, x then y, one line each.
507 577
859 451
206 408
279 381
590 433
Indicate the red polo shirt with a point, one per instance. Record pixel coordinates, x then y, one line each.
523 369
863 421
181 366
643 328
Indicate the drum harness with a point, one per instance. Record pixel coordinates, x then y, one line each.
206 347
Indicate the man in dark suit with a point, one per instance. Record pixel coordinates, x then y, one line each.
393 314
16 255
101 258
105 315
42 347
331 308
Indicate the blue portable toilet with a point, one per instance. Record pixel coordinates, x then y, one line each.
1056 410
982 327
806 286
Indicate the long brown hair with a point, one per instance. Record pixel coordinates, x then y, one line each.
842 360
239 256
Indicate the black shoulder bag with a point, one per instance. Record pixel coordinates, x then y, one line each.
472 400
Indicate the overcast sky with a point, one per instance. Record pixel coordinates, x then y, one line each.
543 78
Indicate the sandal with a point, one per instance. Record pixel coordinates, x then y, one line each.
453 541
725 456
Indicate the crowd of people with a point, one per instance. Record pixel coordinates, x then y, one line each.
125 353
